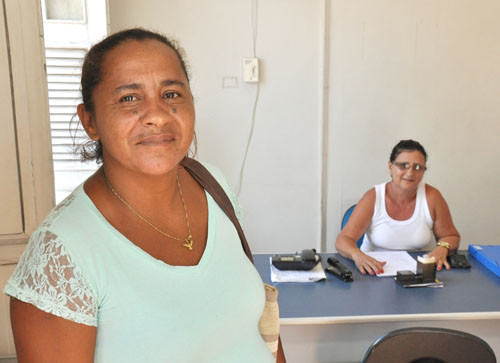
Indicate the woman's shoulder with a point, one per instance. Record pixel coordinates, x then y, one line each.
70 207
432 193
219 176
215 171
366 204
376 189
50 234
372 191
369 196
434 198
67 224
193 166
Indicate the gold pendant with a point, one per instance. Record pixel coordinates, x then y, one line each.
189 242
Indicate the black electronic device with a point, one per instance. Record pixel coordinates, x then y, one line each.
408 277
458 261
338 270
304 261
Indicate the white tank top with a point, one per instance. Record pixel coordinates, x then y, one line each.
385 233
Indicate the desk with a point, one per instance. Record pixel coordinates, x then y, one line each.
334 321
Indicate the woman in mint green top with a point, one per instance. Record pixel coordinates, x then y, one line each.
138 264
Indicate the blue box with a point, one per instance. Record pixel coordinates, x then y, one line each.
488 255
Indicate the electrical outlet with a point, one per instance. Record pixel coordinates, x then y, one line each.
251 70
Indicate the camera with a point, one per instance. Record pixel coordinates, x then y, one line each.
304 261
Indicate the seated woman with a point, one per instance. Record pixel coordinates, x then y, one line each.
402 214
139 263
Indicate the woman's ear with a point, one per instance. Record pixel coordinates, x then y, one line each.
87 121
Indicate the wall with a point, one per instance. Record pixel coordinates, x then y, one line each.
395 69
428 70
25 150
280 194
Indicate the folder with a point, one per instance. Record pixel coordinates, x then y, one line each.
488 255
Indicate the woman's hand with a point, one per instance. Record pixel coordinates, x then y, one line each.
440 253
367 264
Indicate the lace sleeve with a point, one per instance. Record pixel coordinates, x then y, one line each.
47 278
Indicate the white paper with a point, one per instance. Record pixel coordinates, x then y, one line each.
315 274
396 261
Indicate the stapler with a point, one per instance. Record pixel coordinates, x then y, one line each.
338 270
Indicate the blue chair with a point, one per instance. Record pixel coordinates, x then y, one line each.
429 345
346 217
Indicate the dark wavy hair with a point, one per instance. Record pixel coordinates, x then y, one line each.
92 76
406 145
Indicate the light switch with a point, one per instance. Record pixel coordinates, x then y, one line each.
251 70
229 82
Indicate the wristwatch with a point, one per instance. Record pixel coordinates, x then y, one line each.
444 244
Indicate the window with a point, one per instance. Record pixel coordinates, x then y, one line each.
67 39
63 80
65 10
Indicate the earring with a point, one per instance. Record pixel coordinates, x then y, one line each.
135 112
174 110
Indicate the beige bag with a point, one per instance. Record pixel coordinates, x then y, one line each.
269 324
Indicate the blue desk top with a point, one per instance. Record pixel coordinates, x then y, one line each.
472 291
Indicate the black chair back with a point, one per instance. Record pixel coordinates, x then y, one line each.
429 345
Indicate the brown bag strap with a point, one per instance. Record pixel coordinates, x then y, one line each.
210 184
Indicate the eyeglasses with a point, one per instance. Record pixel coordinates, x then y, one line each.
406 166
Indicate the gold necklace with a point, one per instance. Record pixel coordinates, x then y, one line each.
187 242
